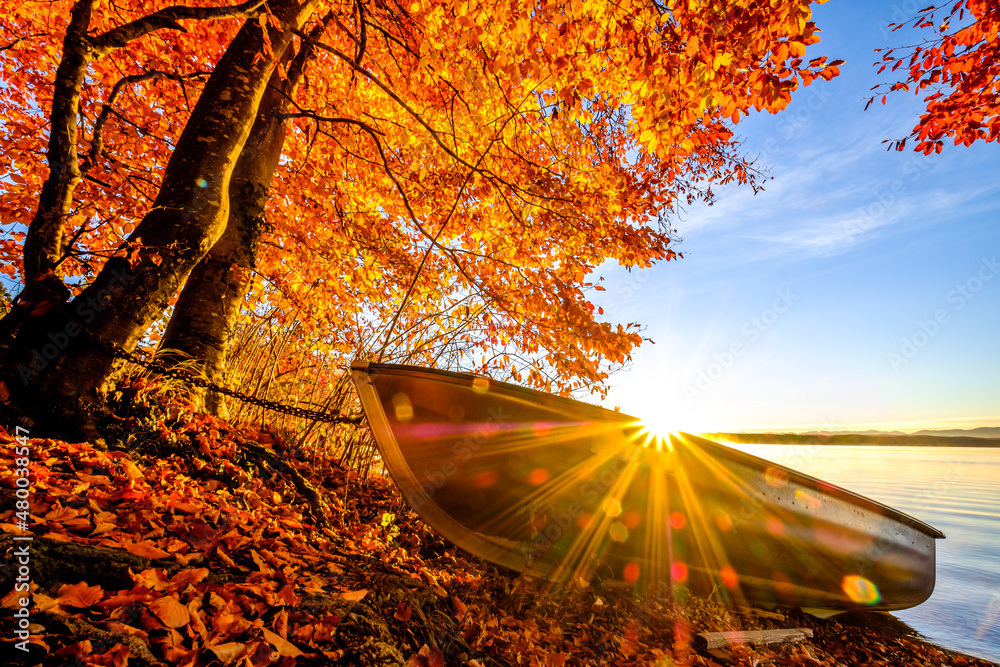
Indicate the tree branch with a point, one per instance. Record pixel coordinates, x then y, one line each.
17 41
44 241
362 34
388 91
332 119
167 18
97 138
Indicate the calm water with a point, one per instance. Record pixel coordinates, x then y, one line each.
956 490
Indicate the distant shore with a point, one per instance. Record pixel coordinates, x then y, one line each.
859 439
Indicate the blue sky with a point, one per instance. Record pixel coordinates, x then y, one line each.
859 290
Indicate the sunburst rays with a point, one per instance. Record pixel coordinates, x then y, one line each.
567 491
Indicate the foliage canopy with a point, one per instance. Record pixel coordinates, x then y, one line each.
452 173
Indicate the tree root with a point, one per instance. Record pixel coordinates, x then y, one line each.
79 630
317 507
54 563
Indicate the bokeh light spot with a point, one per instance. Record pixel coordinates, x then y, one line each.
201 183
776 476
612 507
729 577
481 385
402 407
724 523
485 479
807 499
860 589
631 520
679 571
677 520
538 476
618 531
541 429
632 573
774 525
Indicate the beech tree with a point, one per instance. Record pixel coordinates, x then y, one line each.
956 68
434 179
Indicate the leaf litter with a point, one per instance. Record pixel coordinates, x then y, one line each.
208 553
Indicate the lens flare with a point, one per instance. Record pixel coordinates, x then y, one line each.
619 531
654 432
485 479
860 589
402 407
538 476
776 476
612 507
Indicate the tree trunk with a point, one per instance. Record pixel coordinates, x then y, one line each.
209 305
59 360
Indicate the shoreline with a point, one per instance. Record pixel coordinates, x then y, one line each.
852 439
850 638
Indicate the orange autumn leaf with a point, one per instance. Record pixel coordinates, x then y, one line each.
61 515
354 596
459 609
192 576
79 595
154 579
170 612
229 652
117 656
285 647
103 528
12 600
281 623
77 651
145 549
955 70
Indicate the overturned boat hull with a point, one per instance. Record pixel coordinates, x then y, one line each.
561 489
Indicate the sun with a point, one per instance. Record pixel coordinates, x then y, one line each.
655 431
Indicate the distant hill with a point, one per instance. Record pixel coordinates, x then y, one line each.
882 438
982 432
868 432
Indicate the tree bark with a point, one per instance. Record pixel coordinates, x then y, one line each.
43 244
209 305
59 360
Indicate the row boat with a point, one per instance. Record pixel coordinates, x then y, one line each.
564 490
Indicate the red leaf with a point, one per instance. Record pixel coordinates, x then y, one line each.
403 612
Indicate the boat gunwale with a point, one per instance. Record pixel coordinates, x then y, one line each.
535 396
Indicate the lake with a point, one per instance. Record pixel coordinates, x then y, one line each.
956 490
